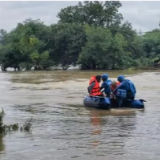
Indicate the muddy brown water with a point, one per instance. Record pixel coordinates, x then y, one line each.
63 129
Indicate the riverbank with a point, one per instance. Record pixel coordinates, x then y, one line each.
78 68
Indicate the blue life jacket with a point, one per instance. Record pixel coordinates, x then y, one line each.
107 88
121 93
129 87
109 82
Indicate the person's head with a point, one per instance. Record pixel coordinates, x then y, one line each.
104 77
98 78
120 78
114 84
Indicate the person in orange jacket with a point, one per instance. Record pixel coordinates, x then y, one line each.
94 86
114 84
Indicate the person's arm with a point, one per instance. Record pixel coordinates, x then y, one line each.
105 89
90 87
102 86
118 87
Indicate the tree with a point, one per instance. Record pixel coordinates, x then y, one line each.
151 42
3 41
89 33
103 50
92 13
3 35
117 54
66 43
94 53
28 40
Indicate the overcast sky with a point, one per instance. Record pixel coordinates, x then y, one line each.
143 15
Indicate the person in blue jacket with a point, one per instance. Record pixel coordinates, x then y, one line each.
126 85
106 85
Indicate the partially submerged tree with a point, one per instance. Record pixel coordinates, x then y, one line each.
90 33
66 43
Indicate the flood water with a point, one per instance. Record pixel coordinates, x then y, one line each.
63 129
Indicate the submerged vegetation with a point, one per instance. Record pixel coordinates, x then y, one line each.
90 34
4 129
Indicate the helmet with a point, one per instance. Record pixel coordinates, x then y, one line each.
104 76
120 78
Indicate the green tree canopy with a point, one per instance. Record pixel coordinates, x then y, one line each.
92 13
67 40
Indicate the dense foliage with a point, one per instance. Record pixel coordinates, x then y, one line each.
90 34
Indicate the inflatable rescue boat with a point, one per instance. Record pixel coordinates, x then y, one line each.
107 103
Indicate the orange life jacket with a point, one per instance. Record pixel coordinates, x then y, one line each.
96 88
113 87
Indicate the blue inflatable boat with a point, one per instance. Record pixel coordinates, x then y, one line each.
107 103
97 102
